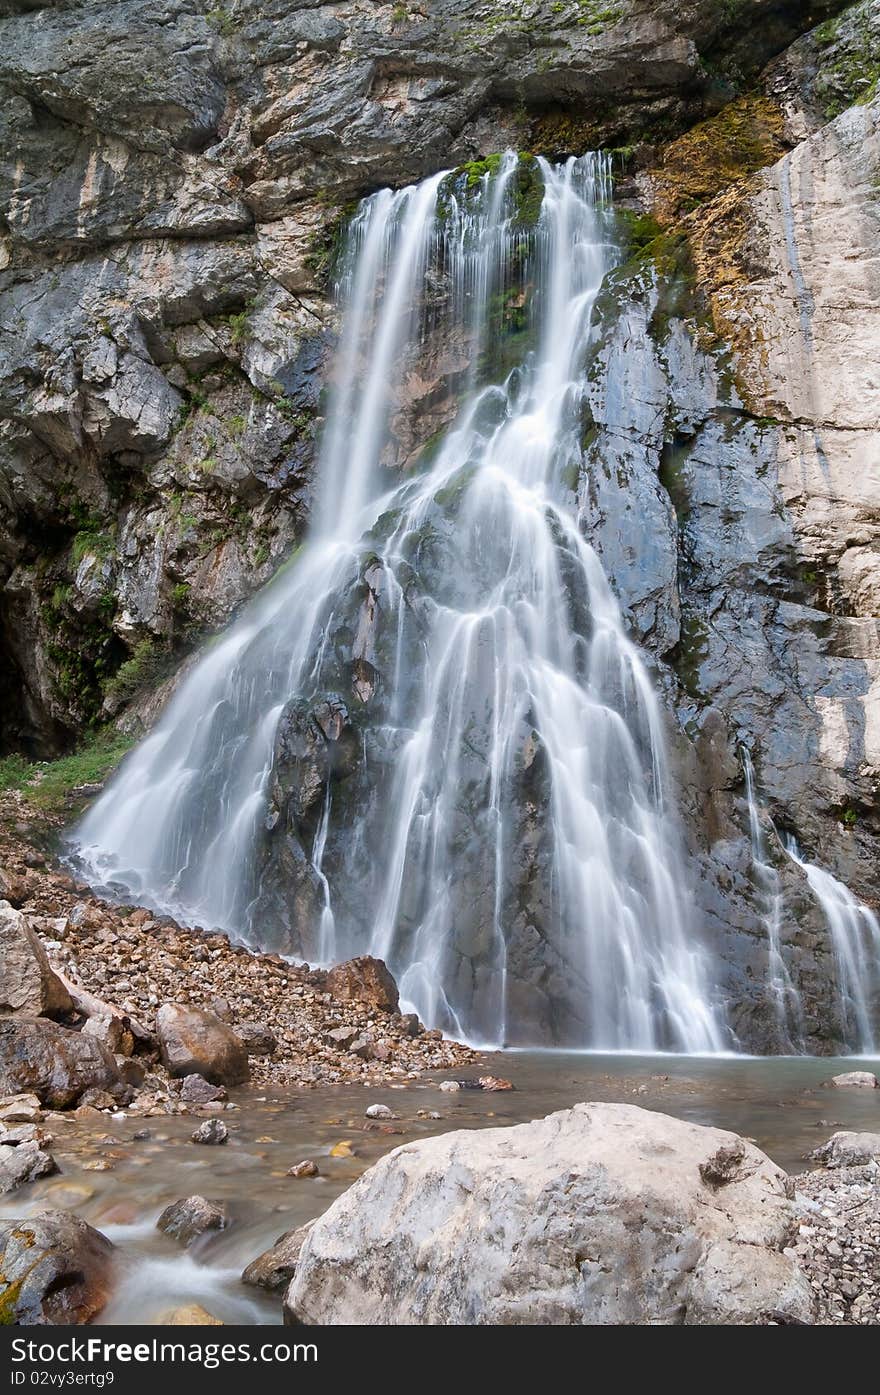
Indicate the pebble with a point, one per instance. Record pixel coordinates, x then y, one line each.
380 1111
306 1168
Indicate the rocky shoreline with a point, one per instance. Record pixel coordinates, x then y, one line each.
299 1026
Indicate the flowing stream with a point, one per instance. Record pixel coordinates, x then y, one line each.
513 712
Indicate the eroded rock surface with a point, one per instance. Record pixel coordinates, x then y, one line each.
597 1214
54 1269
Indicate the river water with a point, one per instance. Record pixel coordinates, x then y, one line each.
780 1102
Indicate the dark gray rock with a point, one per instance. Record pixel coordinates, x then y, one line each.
192 1216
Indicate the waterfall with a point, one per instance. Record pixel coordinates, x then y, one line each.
855 942
493 814
853 929
782 992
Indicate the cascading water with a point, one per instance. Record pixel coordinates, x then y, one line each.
786 1002
481 793
853 929
855 941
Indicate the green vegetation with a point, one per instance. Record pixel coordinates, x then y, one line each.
849 818
48 785
180 595
235 426
90 541
223 21
146 667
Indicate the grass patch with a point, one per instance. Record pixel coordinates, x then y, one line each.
48 785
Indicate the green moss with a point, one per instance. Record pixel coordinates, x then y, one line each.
222 21
48 785
688 654
180 595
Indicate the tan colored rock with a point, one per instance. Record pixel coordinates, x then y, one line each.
192 1216
195 1042
596 1214
23 1162
364 980
189 1315
29 987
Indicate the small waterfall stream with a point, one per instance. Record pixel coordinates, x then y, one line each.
853 929
511 715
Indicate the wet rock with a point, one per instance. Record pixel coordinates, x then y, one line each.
848 1149
197 1090
195 1042
449 1087
54 1269
493 1083
258 1039
594 1214
306 1168
364 980
411 1024
212 1131
275 1267
379 1111
192 1216
29 987
855 1080
23 1162
55 1064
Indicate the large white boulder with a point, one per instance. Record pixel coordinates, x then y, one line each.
604 1213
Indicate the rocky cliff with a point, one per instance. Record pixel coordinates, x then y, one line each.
175 180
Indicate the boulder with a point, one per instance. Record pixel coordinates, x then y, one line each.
187 1219
595 1215
848 1149
23 1162
28 985
854 1080
195 1042
275 1267
189 1315
364 980
55 1064
54 1269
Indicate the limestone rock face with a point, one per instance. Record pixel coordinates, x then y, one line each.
195 1042
55 1269
598 1214
28 985
55 1064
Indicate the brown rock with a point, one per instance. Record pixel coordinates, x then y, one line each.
192 1216
52 1062
29 987
195 1042
306 1168
54 1269
364 980
493 1082
275 1267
